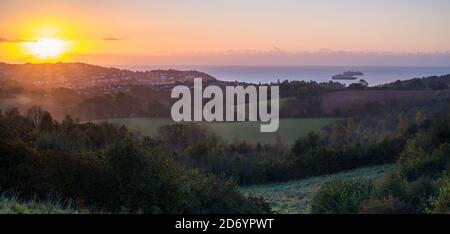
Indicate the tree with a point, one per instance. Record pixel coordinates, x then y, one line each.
437 85
402 123
421 117
47 122
356 86
35 115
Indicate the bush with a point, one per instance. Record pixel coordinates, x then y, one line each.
210 195
390 185
432 165
340 196
386 205
440 204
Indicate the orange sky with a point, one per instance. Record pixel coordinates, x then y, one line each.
112 31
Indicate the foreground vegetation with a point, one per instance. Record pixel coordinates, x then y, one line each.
294 197
419 184
105 168
11 205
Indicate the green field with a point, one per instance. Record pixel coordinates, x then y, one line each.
289 130
293 197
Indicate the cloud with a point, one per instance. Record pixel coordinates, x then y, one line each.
6 40
112 39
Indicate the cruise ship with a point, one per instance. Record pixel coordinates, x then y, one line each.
348 75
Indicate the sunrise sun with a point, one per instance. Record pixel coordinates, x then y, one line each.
47 48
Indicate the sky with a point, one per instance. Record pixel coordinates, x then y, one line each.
229 32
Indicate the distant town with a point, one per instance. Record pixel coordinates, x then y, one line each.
83 78
80 77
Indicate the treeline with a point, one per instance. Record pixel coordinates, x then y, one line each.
344 145
140 102
312 106
105 168
431 83
419 184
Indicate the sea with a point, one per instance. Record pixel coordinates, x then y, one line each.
374 75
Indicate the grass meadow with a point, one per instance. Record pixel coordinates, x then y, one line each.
289 129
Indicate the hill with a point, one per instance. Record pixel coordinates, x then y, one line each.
424 83
80 76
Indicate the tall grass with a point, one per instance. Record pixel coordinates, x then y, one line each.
13 205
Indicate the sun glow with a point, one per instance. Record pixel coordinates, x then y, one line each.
47 48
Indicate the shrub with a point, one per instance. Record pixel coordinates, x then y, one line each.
390 185
211 195
428 164
440 204
386 205
340 196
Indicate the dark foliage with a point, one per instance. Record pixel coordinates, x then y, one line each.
418 185
105 168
